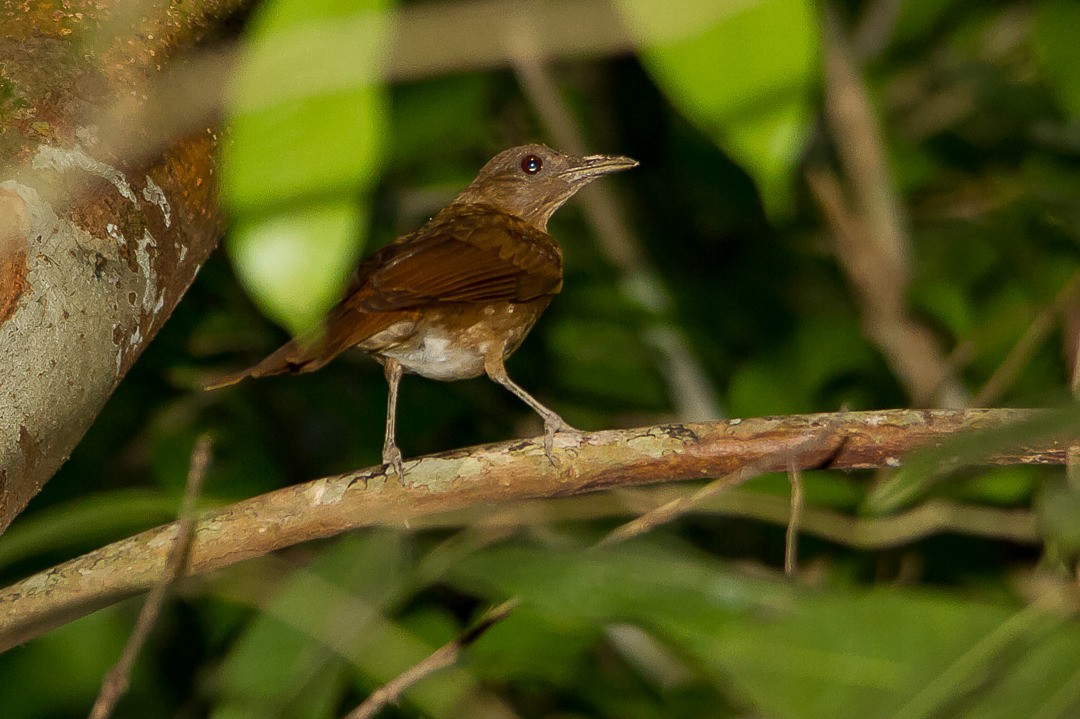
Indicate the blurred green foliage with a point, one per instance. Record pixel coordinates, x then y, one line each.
722 105
306 130
752 98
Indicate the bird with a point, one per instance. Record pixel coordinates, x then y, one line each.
453 299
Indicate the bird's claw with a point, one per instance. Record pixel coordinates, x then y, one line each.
391 458
551 427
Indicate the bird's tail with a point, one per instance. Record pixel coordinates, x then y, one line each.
314 349
294 356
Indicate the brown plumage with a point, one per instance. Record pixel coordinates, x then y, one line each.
455 298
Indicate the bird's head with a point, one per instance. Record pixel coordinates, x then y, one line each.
532 181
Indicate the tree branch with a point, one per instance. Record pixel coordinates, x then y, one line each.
499 472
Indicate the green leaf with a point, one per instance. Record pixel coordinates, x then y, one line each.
825 348
799 373
743 71
820 488
783 650
306 111
1002 486
326 626
304 145
295 264
947 303
605 360
916 19
80 652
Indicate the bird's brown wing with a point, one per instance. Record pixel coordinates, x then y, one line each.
465 254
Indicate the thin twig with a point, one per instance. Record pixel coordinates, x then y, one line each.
791 536
442 658
863 157
1021 353
876 28
935 516
678 507
119 677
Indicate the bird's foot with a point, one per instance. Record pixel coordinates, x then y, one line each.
553 425
391 457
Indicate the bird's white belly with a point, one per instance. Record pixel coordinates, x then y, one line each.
434 356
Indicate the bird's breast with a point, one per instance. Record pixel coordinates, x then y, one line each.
452 341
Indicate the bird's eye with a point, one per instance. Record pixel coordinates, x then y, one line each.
531 164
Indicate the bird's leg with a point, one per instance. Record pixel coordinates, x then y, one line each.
553 423
391 455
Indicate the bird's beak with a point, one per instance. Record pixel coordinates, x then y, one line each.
590 167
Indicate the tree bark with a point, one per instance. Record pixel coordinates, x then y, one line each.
104 221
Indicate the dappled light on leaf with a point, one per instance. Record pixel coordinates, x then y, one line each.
307 122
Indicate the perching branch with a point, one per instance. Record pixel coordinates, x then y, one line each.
500 472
